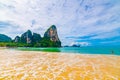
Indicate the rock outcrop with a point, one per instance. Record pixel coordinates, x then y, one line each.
36 38
50 38
17 39
27 37
51 34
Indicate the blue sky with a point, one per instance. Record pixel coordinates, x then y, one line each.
85 22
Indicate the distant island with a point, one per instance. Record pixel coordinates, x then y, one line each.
74 45
29 39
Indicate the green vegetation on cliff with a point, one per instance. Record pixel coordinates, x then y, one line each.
4 38
27 39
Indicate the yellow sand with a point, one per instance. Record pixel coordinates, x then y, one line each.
31 65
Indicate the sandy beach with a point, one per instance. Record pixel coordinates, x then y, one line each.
35 65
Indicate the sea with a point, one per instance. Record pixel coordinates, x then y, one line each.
112 50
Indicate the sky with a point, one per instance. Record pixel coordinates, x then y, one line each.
85 22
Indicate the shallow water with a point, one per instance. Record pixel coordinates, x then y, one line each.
34 65
89 50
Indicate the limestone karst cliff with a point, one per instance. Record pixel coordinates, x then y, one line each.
52 35
17 39
50 38
36 38
26 37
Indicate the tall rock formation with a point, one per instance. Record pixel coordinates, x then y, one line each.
27 37
17 39
50 38
51 34
36 38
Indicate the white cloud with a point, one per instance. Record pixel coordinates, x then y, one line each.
81 43
72 17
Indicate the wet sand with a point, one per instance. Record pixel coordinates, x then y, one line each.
34 65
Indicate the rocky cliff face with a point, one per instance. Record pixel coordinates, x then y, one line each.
36 38
50 38
26 37
51 33
17 39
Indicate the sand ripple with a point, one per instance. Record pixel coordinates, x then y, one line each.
29 65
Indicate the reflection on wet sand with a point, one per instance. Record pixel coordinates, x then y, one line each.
31 65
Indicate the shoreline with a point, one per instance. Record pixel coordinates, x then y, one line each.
69 53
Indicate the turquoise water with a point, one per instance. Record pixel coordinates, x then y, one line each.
78 50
